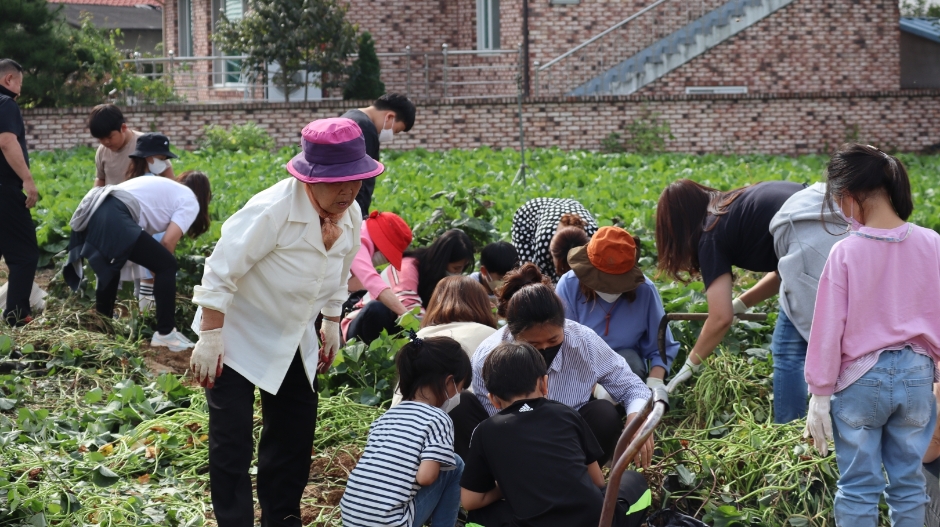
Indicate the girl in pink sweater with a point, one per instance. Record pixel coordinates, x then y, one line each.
874 342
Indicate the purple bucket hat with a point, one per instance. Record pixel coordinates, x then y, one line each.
333 151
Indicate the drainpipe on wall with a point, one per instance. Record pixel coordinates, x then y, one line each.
525 46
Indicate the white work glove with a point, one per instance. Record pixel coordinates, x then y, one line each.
653 383
206 361
819 423
738 307
688 369
329 337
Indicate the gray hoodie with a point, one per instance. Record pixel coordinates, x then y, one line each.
802 245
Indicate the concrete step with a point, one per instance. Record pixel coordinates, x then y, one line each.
678 48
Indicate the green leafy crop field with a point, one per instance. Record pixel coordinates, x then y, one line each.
96 430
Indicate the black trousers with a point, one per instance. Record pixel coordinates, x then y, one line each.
290 418
371 320
18 247
149 253
604 419
632 487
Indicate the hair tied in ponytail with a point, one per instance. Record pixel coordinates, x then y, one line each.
415 339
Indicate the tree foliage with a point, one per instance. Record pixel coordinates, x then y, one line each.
63 66
365 80
298 35
919 9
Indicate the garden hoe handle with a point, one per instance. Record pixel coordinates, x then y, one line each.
650 416
667 318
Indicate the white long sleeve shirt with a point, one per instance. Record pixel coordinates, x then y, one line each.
270 274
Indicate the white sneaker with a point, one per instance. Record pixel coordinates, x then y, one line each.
174 340
146 303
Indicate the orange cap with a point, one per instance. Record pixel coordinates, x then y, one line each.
612 250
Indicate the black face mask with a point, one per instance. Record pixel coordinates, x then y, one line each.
549 353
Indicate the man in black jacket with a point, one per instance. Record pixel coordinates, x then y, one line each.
390 114
17 232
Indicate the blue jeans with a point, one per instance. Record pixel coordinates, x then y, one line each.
440 501
790 390
884 419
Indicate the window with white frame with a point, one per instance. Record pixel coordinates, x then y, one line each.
487 24
185 28
228 70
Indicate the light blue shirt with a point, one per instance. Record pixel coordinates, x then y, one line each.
633 325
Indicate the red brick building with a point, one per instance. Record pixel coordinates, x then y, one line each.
757 46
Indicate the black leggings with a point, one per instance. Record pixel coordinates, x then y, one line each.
602 417
371 320
148 253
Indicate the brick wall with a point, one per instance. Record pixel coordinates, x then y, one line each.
777 124
810 45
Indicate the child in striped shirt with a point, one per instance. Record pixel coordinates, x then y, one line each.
409 472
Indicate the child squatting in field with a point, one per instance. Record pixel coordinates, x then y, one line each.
409 473
872 353
536 461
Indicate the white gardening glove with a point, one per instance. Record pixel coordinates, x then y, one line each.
329 337
738 307
819 423
688 369
653 383
206 361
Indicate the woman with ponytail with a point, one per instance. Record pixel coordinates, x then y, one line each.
409 473
545 229
875 342
577 359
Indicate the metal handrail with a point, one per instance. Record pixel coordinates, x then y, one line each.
600 35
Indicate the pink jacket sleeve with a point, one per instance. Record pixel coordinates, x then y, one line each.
405 283
362 267
824 353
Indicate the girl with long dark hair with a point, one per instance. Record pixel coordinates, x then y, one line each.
421 270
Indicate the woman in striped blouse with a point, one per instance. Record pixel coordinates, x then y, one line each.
577 359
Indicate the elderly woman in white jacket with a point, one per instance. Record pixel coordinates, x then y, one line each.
282 259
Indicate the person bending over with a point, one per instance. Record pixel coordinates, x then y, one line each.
535 463
545 229
496 259
577 359
421 270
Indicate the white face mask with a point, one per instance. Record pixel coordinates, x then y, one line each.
378 259
453 274
494 285
610 298
849 218
451 403
157 167
387 135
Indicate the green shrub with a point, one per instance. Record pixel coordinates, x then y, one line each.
248 137
612 144
365 81
648 134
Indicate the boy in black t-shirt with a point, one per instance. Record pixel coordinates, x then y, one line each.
534 464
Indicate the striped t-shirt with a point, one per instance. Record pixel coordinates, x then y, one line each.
382 487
